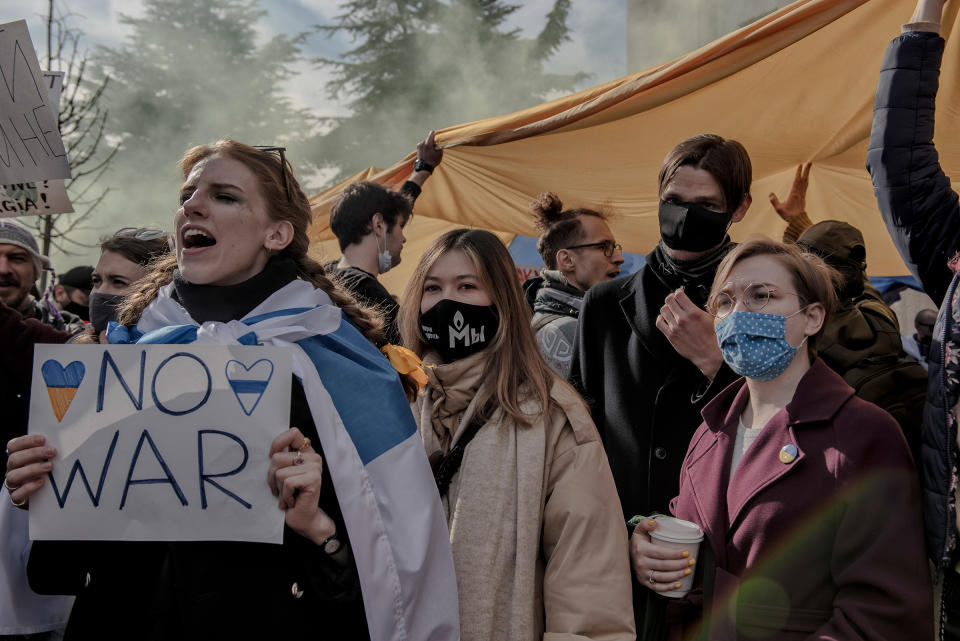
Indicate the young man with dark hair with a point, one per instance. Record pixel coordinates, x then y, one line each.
368 221
579 251
647 358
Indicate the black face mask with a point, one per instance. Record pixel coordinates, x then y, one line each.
103 309
691 227
80 310
457 330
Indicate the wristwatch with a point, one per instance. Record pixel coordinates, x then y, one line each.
332 545
420 165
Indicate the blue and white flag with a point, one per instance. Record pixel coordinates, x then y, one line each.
384 484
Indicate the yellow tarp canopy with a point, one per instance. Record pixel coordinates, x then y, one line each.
796 86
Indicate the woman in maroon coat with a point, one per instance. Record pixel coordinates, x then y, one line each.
806 494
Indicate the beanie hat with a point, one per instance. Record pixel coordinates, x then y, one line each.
13 233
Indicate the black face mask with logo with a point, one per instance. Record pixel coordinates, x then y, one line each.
457 330
691 227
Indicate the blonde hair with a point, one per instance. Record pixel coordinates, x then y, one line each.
295 209
514 359
813 280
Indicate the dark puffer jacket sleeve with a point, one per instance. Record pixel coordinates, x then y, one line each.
920 209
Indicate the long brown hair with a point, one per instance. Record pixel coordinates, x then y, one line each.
295 209
514 360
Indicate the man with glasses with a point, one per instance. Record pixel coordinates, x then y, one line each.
579 251
647 358
368 221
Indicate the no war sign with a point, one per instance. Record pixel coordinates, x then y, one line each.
159 442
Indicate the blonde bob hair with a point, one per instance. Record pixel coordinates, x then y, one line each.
813 280
514 360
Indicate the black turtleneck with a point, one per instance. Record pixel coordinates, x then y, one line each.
225 303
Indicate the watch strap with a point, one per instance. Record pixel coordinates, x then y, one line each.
331 544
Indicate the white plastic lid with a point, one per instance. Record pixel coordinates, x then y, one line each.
677 530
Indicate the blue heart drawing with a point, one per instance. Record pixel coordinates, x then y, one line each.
249 383
62 383
56 375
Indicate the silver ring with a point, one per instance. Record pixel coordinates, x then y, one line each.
20 504
650 577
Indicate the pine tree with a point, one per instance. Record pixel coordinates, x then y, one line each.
189 73
426 64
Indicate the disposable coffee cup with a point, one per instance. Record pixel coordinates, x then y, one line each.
679 535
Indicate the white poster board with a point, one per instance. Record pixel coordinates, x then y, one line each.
159 442
41 197
30 145
34 198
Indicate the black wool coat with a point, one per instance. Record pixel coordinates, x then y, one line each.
645 400
644 397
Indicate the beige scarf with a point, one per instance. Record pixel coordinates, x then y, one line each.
494 506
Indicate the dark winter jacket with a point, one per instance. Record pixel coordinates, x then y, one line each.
922 215
644 397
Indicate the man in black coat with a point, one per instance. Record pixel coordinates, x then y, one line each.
647 357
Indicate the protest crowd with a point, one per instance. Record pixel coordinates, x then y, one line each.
733 442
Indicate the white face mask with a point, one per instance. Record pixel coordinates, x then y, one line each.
384 259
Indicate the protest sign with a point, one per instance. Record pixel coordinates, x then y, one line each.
30 144
41 197
159 442
53 81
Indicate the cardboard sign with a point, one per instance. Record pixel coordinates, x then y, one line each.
43 197
159 442
53 80
30 145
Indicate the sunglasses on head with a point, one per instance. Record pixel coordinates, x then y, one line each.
283 165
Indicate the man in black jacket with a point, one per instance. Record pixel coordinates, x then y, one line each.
647 357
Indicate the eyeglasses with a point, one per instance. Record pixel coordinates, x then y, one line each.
607 246
755 297
283 166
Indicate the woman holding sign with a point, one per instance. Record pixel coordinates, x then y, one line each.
374 566
535 523
806 494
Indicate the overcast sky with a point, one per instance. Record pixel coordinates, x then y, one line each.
597 47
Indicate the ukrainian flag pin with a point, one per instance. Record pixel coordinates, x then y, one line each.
788 453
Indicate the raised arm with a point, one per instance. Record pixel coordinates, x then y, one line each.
429 157
920 209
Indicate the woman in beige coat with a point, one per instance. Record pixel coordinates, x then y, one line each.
536 527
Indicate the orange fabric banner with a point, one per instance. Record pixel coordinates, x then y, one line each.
796 86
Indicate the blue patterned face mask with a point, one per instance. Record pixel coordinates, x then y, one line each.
755 344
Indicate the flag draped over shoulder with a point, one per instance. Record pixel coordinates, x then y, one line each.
383 482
